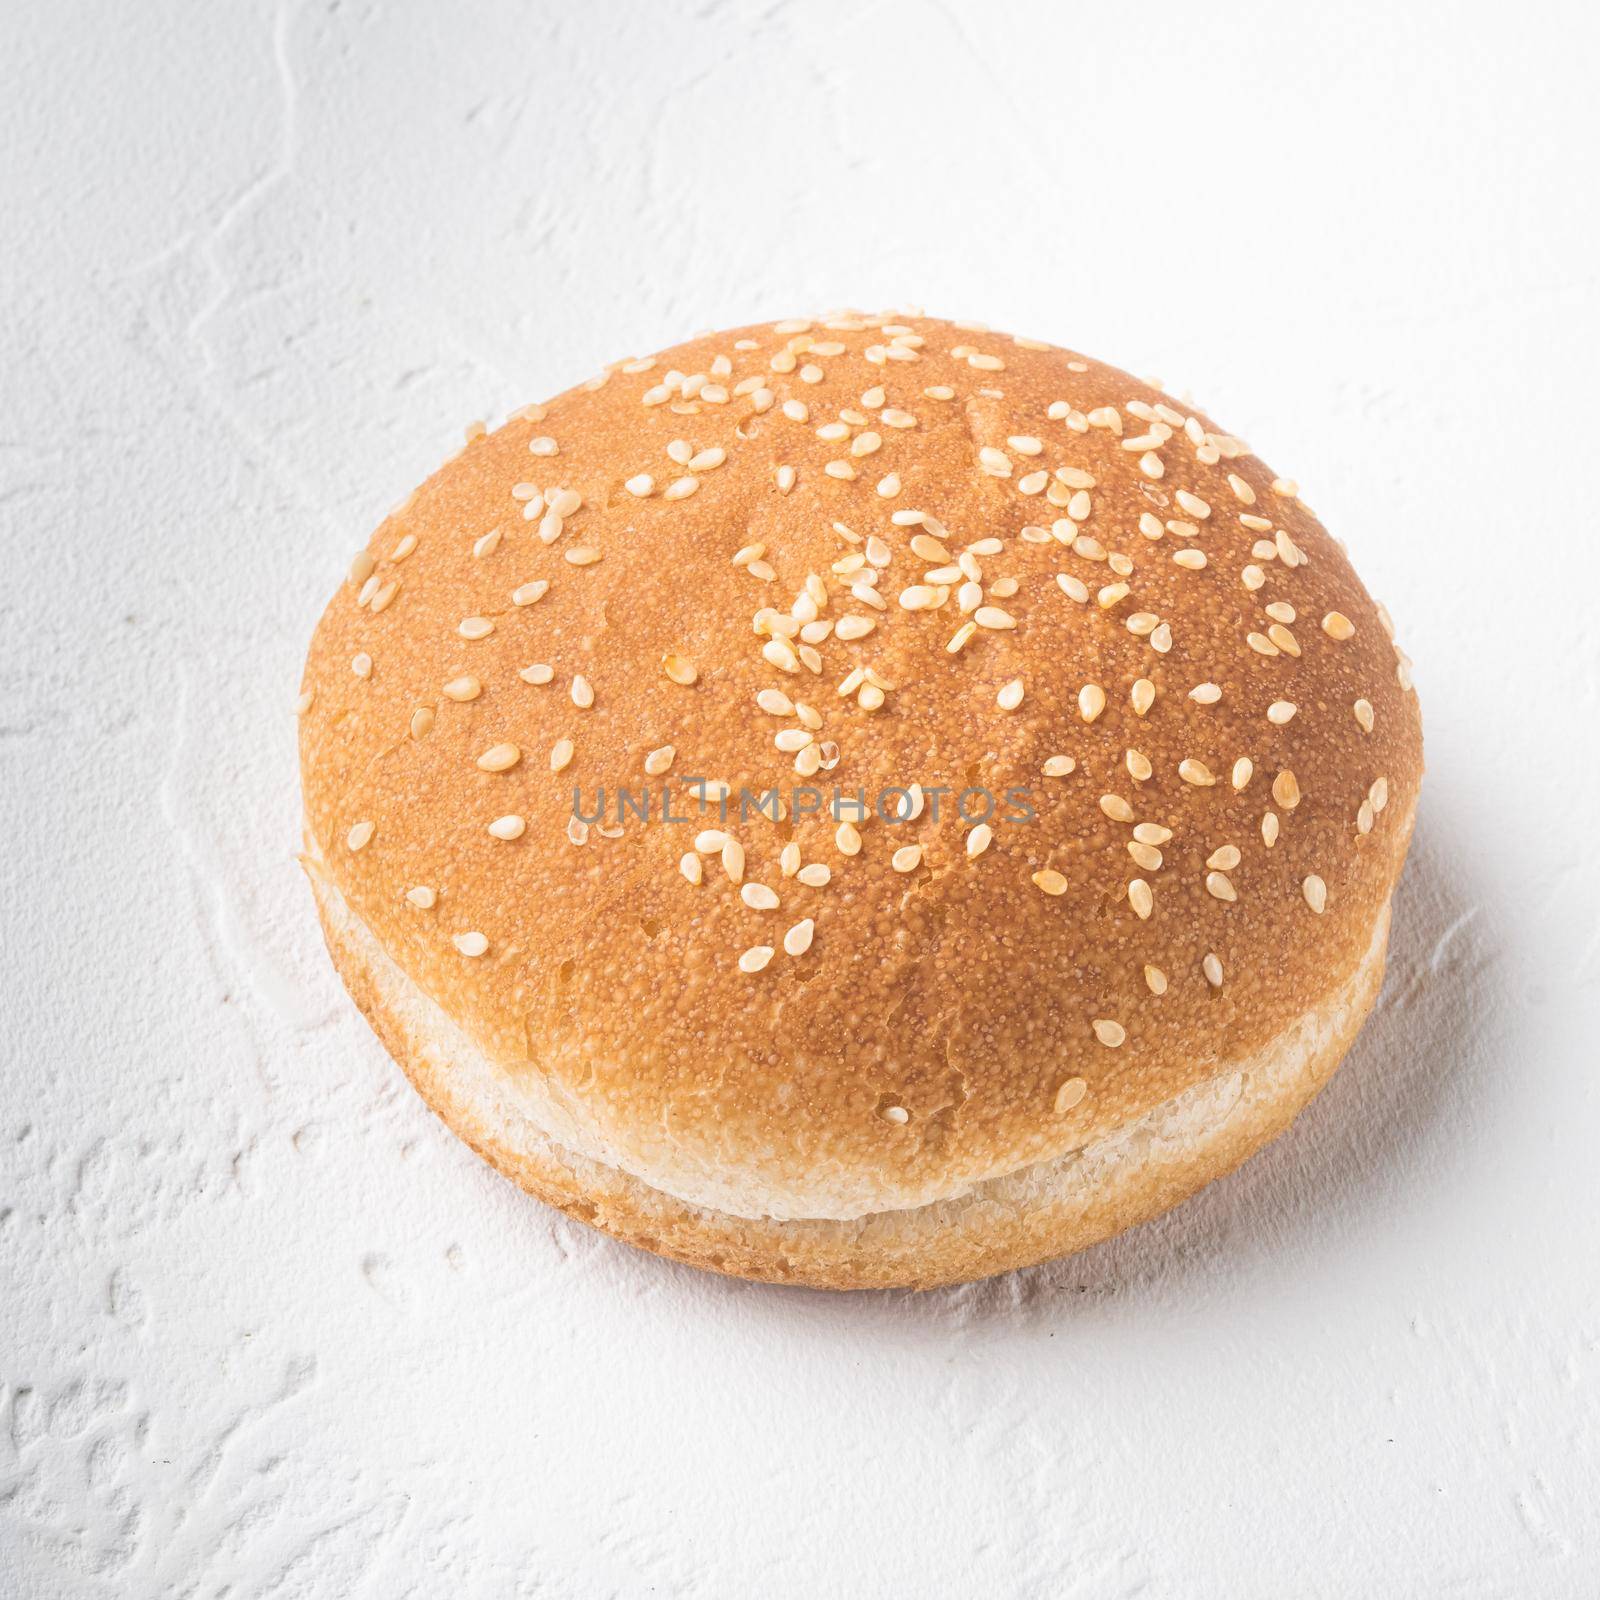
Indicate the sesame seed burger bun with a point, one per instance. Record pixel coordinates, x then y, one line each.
1140 755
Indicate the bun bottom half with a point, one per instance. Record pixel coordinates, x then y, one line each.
1052 1208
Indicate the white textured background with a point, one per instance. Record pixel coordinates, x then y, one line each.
265 1329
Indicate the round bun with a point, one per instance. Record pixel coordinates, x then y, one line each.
869 801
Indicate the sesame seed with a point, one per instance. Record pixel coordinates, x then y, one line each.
582 692
1219 887
815 875
707 460
1142 696
978 840
709 841
1070 1094
848 838
1116 808
421 722
1138 765
360 835
1156 980
1338 626
798 939
1224 859
508 827
732 858
679 670
560 755
759 897
1281 712
1010 696
1091 701
680 488
1050 881
659 760
1205 694
542 446
537 673
475 627
993 617
755 958
470 944
1212 968
642 485
529 593
1151 833
1195 772
1141 898
1073 588
304 702
1269 828
1286 790
689 866
907 858
1364 715
1316 893
960 637
1059 766
1193 504
499 758
1261 644
1378 794
1109 1033
422 897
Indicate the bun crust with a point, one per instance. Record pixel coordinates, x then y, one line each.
830 507
1034 1214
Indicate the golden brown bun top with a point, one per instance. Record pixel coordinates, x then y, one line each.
719 513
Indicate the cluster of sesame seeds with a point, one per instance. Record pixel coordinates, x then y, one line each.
900 566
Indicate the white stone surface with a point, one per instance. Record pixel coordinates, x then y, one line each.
267 1330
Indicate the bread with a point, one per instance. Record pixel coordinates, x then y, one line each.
944 571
